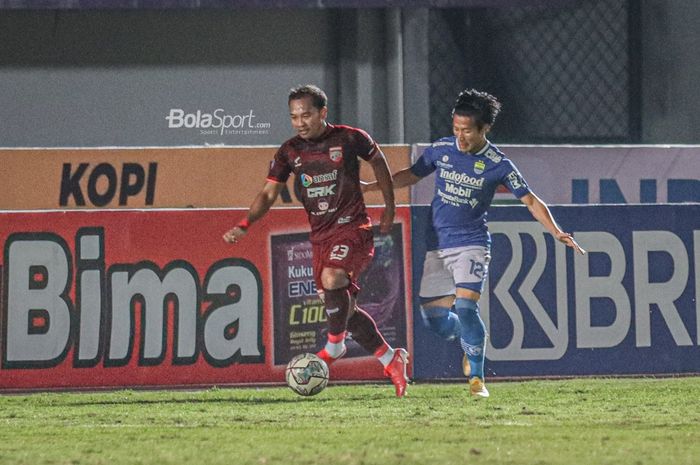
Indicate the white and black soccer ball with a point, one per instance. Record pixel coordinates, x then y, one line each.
306 374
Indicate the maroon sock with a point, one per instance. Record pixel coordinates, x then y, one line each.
365 332
337 306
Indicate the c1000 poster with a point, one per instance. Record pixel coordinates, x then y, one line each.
300 320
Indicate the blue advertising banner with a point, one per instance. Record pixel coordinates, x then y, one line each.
628 307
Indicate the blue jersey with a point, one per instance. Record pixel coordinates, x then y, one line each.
465 184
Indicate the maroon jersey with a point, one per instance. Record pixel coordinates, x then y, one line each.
327 172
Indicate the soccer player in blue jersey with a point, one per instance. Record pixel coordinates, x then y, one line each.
468 170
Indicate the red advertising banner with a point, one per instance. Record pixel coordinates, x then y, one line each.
155 298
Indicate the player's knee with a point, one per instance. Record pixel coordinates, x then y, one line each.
334 278
468 312
441 321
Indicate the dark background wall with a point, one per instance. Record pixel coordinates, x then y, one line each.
592 71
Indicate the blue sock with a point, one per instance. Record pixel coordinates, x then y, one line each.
473 337
442 321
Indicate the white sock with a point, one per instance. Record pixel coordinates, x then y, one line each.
386 357
335 349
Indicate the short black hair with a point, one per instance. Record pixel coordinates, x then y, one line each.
318 97
481 106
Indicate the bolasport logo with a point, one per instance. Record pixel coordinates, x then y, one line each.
218 122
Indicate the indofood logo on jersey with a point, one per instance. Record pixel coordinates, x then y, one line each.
461 178
217 122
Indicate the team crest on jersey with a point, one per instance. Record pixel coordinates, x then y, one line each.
306 180
479 166
336 154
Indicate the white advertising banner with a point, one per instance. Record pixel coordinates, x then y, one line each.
581 174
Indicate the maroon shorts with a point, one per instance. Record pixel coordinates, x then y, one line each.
351 250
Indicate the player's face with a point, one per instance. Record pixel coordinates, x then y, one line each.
308 121
471 139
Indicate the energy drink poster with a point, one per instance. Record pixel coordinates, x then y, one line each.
299 317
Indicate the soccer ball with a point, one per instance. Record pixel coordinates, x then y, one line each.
306 374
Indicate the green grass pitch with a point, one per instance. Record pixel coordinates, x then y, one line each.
583 421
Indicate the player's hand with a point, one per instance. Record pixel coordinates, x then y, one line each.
386 221
234 235
568 240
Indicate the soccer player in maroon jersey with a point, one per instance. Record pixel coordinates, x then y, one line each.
325 158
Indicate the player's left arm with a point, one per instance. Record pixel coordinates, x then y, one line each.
540 211
386 186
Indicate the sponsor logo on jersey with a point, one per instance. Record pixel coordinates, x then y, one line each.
326 177
442 143
461 178
515 181
323 205
458 190
344 219
323 212
479 166
322 191
306 180
493 156
336 154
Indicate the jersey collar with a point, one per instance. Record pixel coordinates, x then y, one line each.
479 153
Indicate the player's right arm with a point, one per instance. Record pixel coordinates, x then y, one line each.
406 176
260 206
540 211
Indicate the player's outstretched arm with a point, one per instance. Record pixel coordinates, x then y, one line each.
386 185
541 213
260 206
401 178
